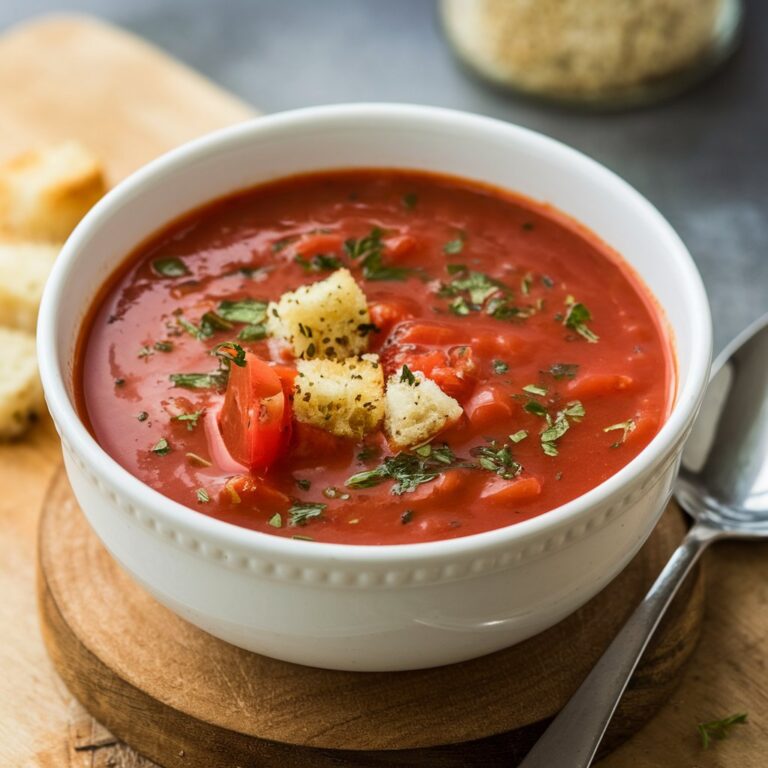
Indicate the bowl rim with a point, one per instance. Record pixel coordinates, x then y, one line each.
75 434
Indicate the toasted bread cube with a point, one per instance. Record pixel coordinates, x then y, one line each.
326 319
45 193
345 398
24 268
21 396
416 409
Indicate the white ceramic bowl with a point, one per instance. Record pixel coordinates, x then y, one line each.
387 607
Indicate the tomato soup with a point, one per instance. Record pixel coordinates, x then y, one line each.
529 358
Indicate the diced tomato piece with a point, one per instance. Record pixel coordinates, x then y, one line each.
516 491
443 486
311 245
646 426
429 333
401 245
254 492
310 442
598 384
488 406
505 346
253 420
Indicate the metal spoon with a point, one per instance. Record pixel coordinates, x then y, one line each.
723 486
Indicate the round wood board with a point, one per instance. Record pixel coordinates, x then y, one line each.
183 698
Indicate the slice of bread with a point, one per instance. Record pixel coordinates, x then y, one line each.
326 319
24 268
416 409
345 398
21 395
44 193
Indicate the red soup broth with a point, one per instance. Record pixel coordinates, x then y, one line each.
564 376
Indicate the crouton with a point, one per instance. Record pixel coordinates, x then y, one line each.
416 409
327 319
345 398
21 396
45 193
24 268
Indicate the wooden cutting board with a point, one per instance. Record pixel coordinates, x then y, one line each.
75 77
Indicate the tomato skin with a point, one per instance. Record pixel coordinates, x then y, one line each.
254 492
319 242
386 314
488 406
517 491
255 418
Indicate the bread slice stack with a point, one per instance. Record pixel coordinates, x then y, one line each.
43 195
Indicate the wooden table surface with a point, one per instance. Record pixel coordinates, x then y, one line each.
72 77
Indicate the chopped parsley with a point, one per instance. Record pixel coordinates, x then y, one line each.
562 370
320 262
303 483
459 306
577 317
477 292
407 516
202 496
497 459
407 377
190 419
500 367
368 452
230 352
719 729
535 407
301 512
410 200
521 434
409 470
171 267
142 416
214 380
627 426
163 346
281 244
452 247
145 352
248 311
526 283
332 492
120 382
161 447
533 389
559 425
210 322
276 521
369 251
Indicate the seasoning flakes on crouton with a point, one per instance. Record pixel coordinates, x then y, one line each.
416 409
45 193
21 395
24 268
343 397
327 319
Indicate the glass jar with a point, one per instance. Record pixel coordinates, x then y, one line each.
593 52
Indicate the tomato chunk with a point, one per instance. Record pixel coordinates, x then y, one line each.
517 491
253 420
254 492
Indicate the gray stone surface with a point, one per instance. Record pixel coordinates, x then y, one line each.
702 159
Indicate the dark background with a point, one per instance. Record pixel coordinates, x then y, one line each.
701 159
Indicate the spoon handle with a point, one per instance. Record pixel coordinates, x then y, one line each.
572 738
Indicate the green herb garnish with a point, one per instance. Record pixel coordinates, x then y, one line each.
163 346
171 267
276 521
497 459
320 262
249 311
500 367
533 389
190 419
145 352
627 426
454 246
369 250
410 200
407 377
559 425
202 496
535 407
161 447
304 484
719 729
409 470
407 516
521 434
229 352
302 512
577 318
142 416
563 370
214 380
368 452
